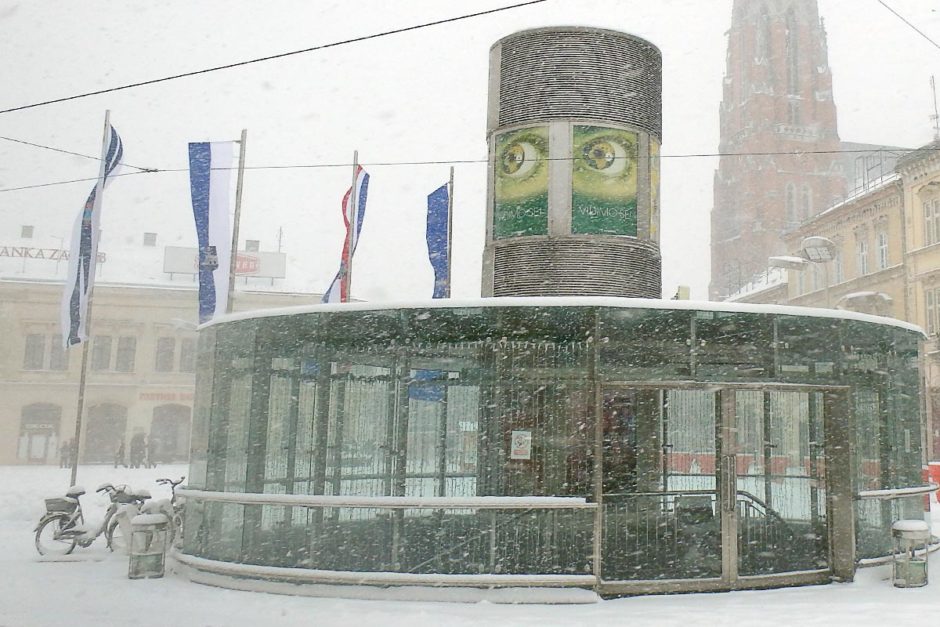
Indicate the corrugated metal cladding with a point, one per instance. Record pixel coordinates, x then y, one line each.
577 266
580 73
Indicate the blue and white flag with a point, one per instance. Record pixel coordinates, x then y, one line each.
437 237
338 288
210 173
83 251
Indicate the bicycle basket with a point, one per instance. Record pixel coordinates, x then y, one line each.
61 504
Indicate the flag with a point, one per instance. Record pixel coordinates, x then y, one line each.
337 292
438 253
83 252
209 176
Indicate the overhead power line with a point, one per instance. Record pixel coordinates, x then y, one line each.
272 57
70 152
375 164
903 19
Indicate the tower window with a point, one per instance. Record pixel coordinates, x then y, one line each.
150 239
252 245
792 220
26 231
793 61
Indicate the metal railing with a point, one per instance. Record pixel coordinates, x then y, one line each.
477 540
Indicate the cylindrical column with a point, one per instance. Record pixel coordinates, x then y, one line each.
574 127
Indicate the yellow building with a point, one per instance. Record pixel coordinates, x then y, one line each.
140 371
867 270
920 172
887 259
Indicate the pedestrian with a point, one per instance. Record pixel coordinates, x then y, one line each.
138 449
65 454
119 454
152 446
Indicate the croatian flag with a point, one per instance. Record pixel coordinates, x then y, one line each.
209 176
83 252
436 236
337 292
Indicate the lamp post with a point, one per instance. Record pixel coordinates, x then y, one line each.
817 249
813 249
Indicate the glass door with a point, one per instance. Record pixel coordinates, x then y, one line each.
661 514
779 477
712 486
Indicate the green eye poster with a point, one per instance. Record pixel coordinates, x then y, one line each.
603 181
521 196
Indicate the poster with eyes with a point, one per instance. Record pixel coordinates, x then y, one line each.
603 181
521 196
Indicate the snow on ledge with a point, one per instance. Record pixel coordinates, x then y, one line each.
893 493
394 502
569 301
373 578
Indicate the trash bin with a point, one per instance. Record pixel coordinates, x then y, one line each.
909 566
148 546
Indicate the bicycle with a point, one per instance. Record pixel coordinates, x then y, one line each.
63 527
174 512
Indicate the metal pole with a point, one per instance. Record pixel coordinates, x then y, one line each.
238 214
350 229
80 408
450 230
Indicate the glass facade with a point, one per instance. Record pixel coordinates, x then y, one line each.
641 444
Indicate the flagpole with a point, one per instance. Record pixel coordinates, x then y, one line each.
450 229
350 230
233 259
80 408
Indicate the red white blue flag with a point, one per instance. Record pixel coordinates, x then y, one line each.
83 251
337 292
209 177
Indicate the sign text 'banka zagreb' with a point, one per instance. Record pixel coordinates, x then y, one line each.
52 254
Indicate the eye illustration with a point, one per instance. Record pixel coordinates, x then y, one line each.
518 159
606 155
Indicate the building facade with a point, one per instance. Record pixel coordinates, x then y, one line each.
887 261
141 371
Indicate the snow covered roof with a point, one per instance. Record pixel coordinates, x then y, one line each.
571 301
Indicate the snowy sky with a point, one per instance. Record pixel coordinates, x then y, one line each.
417 96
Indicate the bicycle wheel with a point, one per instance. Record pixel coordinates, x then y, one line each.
115 537
46 541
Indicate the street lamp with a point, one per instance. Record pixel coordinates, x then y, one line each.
813 249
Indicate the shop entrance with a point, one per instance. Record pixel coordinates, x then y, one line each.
718 488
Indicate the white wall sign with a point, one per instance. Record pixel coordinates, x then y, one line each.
521 445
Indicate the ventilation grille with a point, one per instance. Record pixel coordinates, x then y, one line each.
574 266
579 73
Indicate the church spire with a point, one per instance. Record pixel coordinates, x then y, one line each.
777 110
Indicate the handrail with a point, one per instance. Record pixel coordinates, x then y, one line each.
392 502
897 493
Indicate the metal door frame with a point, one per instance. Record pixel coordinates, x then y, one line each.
840 509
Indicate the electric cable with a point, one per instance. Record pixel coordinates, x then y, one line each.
69 152
272 57
903 19
310 166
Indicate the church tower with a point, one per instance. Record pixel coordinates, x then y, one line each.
779 139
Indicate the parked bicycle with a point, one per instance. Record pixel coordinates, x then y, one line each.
173 510
63 526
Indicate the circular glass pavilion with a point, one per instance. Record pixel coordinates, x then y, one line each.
624 446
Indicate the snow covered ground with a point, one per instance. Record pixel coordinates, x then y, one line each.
92 588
